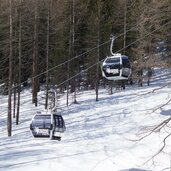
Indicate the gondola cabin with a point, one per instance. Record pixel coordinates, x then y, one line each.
47 126
116 67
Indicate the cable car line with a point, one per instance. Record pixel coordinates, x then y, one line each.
77 56
158 28
115 52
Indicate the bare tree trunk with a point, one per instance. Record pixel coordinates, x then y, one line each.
149 75
19 66
98 57
140 77
67 89
35 79
68 77
9 118
70 47
111 87
73 44
14 99
125 19
47 53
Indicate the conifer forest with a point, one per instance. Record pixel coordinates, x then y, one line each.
60 44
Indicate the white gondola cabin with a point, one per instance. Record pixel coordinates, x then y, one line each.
116 67
47 126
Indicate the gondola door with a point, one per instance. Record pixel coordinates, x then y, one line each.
58 127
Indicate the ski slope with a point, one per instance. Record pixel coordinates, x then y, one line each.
100 136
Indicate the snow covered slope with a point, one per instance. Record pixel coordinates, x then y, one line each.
100 135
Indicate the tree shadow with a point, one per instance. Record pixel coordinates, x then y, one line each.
134 169
166 112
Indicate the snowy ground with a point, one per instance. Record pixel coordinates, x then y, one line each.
99 135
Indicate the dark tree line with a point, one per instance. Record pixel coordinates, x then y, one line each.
49 42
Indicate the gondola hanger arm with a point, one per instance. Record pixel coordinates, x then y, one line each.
112 37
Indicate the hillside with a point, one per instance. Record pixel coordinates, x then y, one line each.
100 135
